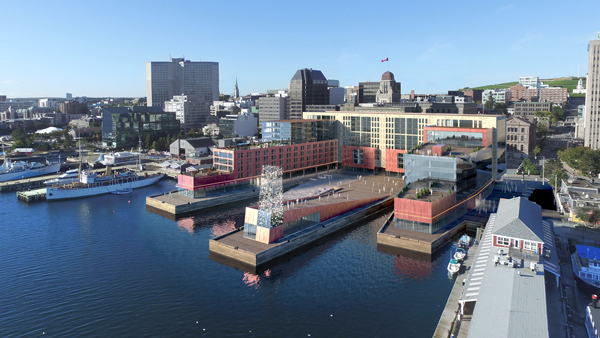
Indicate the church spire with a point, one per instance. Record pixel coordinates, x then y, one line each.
236 91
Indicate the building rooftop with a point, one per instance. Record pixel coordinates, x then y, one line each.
298 120
511 300
519 218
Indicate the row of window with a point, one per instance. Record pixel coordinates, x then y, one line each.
527 245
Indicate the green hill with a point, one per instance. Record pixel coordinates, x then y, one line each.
566 82
497 86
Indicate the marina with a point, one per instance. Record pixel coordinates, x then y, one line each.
172 284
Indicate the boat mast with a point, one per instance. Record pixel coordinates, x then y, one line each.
139 167
80 159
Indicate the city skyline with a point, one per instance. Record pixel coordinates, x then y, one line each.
431 49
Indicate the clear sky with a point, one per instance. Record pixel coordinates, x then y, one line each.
101 48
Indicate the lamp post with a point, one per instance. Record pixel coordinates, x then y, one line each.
543 169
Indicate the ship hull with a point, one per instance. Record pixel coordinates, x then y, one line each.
61 193
17 175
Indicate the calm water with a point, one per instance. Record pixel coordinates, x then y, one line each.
103 266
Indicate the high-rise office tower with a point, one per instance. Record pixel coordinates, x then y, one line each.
182 77
592 98
307 87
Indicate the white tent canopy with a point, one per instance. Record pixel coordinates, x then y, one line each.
48 130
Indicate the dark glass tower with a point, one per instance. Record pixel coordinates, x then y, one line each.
307 87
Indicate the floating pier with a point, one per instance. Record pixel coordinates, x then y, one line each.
32 195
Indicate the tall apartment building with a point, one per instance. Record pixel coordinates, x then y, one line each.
178 76
307 87
592 98
272 108
189 111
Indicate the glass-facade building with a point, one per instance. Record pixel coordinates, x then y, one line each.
298 131
124 126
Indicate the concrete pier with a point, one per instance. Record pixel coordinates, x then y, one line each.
32 195
347 200
419 241
254 254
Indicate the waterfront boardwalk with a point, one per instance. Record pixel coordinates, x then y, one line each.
323 190
446 323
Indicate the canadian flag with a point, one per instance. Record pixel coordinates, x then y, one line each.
384 60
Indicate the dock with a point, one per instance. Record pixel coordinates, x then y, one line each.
26 184
173 205
32 195
426 243
348 202
447 324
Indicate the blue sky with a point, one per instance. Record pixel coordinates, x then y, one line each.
101 48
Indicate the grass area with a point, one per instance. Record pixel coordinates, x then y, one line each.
566 82
497 86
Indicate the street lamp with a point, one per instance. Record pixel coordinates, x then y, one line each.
543 168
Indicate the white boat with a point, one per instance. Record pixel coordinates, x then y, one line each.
464 241
70 176
92 184
460 254
20 169
453 266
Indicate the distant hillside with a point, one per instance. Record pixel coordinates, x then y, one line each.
566 82
497 86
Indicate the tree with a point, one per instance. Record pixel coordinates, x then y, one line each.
558 114
554 171
21 138
542 131
572 156
590 216
501 108
590 162
536 151
529 167
489 105
148 141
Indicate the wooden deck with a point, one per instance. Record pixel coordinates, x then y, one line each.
446 324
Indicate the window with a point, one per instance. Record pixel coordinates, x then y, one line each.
529 245
502 240
400 160
357 156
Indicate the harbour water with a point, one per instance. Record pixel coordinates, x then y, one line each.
104 266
